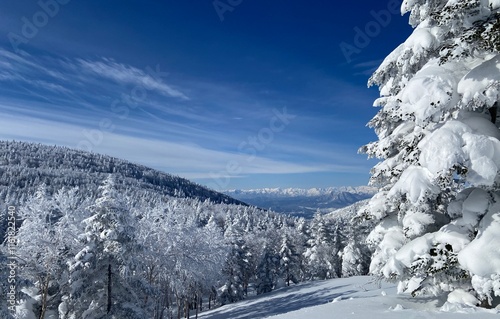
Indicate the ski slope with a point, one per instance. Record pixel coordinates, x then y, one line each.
357 297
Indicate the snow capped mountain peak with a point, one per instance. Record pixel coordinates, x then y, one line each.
303 202
310 192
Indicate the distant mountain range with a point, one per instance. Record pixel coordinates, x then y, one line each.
303 202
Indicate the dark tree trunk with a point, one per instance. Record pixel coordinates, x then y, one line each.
197 305
287 277
45 293
186 308
493 112
108 308
179 308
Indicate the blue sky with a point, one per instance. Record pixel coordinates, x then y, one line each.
228 93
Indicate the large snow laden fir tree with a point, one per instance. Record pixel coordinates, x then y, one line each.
438 208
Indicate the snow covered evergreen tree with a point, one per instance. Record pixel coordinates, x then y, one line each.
238 268
321 254
267 270
236 271
356 255
101 270
289 259
439 150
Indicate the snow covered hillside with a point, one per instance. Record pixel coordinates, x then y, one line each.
109 227
83 230
303 202
26 166
356 297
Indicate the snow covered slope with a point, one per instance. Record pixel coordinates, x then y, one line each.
356 297
303 202
349 212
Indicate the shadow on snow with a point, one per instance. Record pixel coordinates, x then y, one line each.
278 302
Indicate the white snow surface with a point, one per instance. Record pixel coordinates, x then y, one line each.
431 91
421 245
481 256
495 4
463 297
356 297
474 142
416 182
481 84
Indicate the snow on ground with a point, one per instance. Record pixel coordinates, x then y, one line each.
357 297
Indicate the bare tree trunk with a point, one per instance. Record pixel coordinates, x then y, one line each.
179 307
45 291
163 303
287 277
151 279
197 305
186 308
108 309
212 296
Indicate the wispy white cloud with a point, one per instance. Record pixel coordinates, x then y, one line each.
24 62
50 86
146 126
14 76
188 160
195 132
121 73
74 77
368 67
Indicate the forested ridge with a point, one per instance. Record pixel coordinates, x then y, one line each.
24 166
